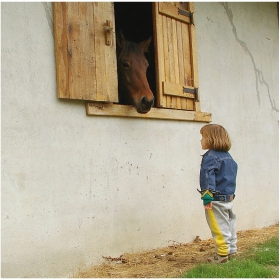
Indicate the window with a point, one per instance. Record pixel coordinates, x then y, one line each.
86 63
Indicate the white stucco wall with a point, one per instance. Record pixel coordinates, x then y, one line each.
75 188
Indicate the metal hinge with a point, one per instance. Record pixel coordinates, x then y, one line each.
192 90
186 14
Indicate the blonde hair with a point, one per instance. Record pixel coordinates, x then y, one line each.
216 136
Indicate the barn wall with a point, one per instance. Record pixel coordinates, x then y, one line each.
75 188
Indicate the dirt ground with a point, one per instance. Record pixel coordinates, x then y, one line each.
173 260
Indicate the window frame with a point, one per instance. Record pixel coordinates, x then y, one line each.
105 101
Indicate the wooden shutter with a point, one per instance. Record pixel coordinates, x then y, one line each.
85 51
176 57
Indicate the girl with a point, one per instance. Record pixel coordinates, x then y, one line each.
217 183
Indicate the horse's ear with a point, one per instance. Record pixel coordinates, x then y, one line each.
144 45
120 39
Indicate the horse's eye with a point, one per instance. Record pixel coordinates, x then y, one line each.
125 64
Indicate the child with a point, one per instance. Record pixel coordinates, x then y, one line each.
217 183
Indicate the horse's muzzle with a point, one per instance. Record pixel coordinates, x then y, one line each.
145 105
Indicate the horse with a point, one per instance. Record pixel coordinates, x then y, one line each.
134 88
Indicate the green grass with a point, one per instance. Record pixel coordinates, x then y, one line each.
258 262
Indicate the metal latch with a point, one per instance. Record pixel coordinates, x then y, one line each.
193 91
108 32
186 14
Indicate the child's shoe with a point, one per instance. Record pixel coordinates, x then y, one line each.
217 259
232 256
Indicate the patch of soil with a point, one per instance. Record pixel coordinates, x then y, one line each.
173 260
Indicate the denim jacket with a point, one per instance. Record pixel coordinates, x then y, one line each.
218 172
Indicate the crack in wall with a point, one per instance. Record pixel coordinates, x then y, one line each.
258 73
48 12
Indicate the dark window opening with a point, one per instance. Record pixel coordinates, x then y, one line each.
136 22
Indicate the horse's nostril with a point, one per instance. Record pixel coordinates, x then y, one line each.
146 103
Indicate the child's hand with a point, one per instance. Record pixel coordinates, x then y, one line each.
208 206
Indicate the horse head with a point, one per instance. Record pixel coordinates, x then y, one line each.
132 67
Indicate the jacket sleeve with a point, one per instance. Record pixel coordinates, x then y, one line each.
209 167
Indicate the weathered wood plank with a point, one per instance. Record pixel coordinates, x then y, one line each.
181 61
60 36
194 55
177 90
159 52
111 78
169 54
172 11
75 50
187 60
105 55
177 57
116 110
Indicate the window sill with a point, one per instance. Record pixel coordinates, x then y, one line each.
117 110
